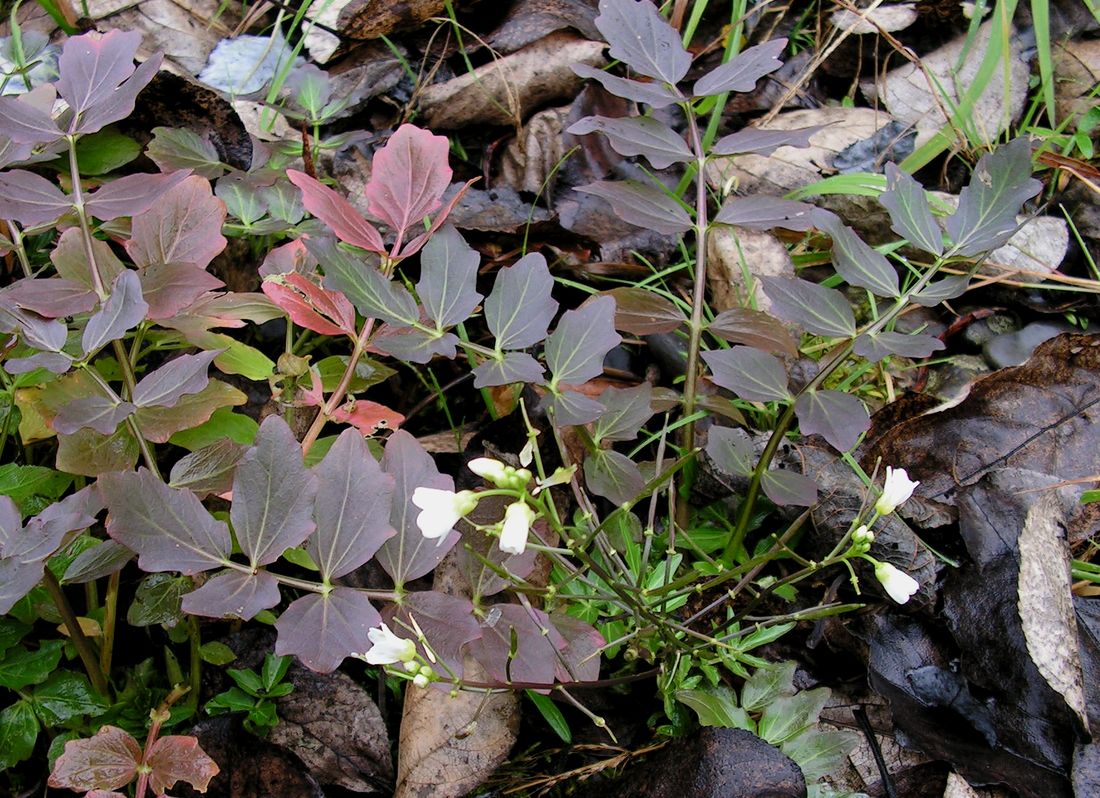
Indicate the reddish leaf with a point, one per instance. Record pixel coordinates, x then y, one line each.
581 651
170 288
178 758
131 195
337 213
321 630
753 328
183 228
119 104
233 594
93 65
103 762
311 306
408 177
448 623
158 424
30 199
52 297
367 417
643 312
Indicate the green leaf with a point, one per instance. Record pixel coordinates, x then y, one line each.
232 700
216 653
767 684
247 680
22 483
105 151
790 715
242 359
11 632
157 600
716 706
18 731
274 670
820 753
180 148
552 715
1090 496
66 695
22 667
222 424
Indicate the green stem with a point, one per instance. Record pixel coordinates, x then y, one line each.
76 634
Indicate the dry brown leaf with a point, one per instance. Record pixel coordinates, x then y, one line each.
1076 72
450 744
184 31
506 90
737 254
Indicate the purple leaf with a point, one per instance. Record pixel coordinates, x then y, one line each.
883 344
910 216
169 529
71 260
94 412
759 141
642 205
119 104
765 213
448 274
643 312
839 418
52 297
169 288
182 228
233 594
731 450
352 510
787 487
415 346
25 124
941 290
272 495
583 337
755 329
571 409
533 659
93 65
11 523
519 309
742 71
337 213
638 135
176 378
373 294
30 199
409 554
656 95
512 367
578 659
627 409
38 332
613 475
858 263
54 362
123 310
986 216
158 424
131 195
749 373
17 579
448 623
822 311
322 630
643 40
408 177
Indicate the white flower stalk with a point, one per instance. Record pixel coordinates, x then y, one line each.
895 491
517 524
388 648
899 585
440 510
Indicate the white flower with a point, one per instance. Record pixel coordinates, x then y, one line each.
388 648
517 523
896 490
489 469
863 536
420 680
440 510
899 585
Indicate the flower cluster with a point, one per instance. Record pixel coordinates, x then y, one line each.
896 490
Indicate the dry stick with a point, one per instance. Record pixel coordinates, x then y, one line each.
338 395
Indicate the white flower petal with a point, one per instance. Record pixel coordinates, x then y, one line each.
517 524
899 585
388 648
489 469
895 491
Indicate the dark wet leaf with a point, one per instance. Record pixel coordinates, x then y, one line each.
822 311
786 487
988 205
66 695
840 418
642 205
169 529
272 495
409 555
656 95
755 329
749 373
583 337
448 274
354 500
876 346
910 214
157 600
643 312
661 145
323 629
858 263
613 475
762 142
30 199
24 667
233 594
742 71
643 40
766 213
